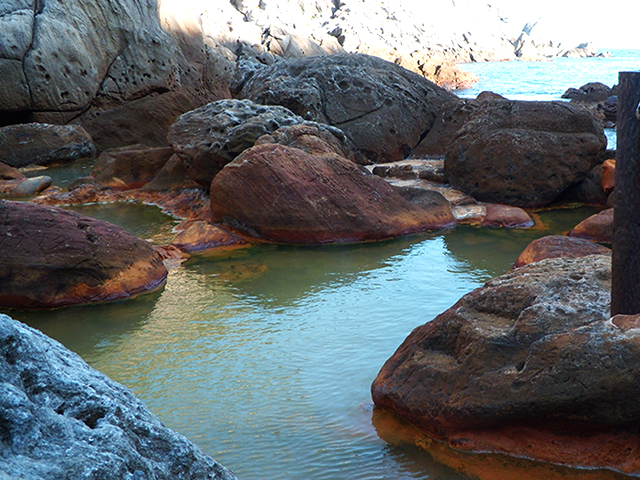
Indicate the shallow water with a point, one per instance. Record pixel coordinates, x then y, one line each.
264 357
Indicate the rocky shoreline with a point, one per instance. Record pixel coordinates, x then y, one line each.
255 129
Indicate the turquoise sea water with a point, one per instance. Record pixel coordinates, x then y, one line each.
264 357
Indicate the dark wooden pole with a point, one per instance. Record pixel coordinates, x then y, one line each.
625 286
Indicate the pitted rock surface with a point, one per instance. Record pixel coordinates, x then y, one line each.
63 419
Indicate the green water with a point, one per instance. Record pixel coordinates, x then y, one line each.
264 357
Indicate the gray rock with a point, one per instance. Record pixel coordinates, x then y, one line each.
523 153
43 144
31 186
208 138
62 419
384 109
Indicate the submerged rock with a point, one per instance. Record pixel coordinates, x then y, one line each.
384 109
530 365
53 258
285 195
523 153
63 419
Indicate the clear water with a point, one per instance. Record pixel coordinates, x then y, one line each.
549 80
264 357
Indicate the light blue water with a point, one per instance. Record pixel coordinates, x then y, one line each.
549 80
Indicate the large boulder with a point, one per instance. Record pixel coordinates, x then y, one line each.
383 108
53 258
43 144
58 57
597 228
523 153
556 246
63 419
208 138
530 365
285 195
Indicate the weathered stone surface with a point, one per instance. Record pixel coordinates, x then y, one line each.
285 195
506 216
172 176
556 246
208 138
523 153
201 236
31 186
530 364
447 123
42 144
129 167
143 121
54 257
609 175
588 191
597 228
60 56
63 419
9 173
383 108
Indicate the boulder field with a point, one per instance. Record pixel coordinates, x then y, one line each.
54 258
529 365
63 419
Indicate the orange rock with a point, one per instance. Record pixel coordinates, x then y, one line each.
554 246
204 236
609 175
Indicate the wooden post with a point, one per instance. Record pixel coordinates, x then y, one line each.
625 286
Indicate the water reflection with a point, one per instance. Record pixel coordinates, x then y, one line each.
264 356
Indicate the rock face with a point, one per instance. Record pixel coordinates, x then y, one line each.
208 138
54 257
285 195
530 364
42 144
556 246
63 419
58 57
384 109
523 153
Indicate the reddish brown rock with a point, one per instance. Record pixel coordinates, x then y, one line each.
43 144
285 195
9 173
588 191
129 167
172 176
597 228
609 175
143 121
54 258
555 246
523 153
202 235
529 365
506 216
